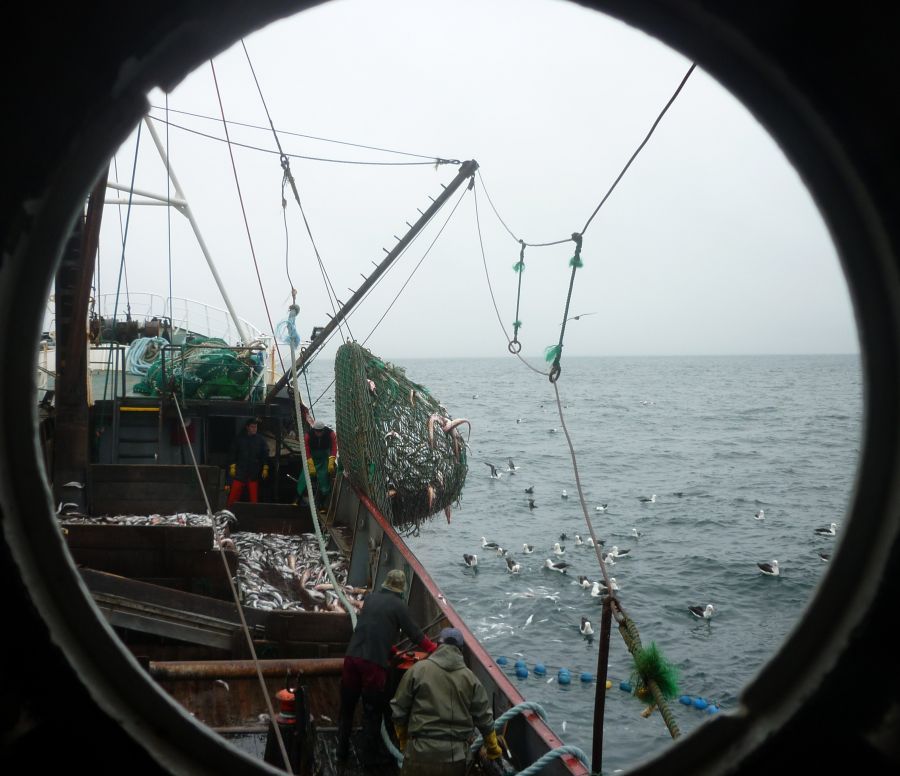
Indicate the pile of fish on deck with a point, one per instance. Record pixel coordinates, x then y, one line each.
275 571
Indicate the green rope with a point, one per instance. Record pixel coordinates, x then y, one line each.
519 268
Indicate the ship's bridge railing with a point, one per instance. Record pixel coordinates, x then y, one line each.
188 316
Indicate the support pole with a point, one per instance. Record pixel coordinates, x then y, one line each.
600 696
466 170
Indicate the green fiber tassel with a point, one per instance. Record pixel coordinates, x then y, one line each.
517 325
552 353
518 266
576 262
650 665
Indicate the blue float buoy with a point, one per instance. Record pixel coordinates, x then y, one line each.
521 672
520 664
540 669
564 677
502 661
712 708
625 686
700 703
587 676
687 700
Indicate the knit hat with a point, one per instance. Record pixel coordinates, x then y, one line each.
451 636
395 581
318 425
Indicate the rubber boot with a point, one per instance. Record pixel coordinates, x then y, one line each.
373 753
345 722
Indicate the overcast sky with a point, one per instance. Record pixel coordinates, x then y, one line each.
709 245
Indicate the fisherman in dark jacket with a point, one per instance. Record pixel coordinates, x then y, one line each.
250 456
438 703
366 662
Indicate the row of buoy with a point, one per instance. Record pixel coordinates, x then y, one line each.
564 677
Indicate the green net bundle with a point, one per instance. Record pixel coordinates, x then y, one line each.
205 369
398 444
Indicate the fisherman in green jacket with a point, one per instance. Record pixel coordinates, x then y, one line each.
437 704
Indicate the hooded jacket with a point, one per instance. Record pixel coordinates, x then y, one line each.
440 700
382 615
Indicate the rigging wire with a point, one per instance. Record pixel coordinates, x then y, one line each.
286 167
169 224
237 184
643 143
308 158
431 157
493 298
234 593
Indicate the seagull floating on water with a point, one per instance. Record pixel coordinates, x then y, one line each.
584 581
531 504
609 559
589 542
564 494
471 560
601 508
586 627
636 534
495 475
512 567
529 489
559 549
501 552
770 568
826 556
578 541
617 553
528 548
645 500
600 589
488 545
761 515
702 612
560 566
563 536
830 530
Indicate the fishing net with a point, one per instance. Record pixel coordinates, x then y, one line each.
398 443
205 369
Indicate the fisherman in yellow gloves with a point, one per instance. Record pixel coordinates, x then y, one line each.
438 702
250 463
321 457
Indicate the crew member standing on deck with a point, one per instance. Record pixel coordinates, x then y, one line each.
438 702
250 457
321 455
366 662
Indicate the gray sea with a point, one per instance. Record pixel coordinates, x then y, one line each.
715 439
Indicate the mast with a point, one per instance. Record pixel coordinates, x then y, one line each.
182 206
466 170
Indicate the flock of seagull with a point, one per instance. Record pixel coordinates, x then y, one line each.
599 588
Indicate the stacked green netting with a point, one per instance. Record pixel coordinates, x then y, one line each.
205 369
386 447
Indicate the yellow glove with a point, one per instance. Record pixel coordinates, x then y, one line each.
331 466
400 730
232 470
311 465
492 748
265 471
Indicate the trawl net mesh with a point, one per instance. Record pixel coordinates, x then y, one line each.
398 444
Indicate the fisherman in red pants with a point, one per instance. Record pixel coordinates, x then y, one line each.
250 455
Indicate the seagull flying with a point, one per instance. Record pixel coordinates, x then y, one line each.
512 467
495 475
